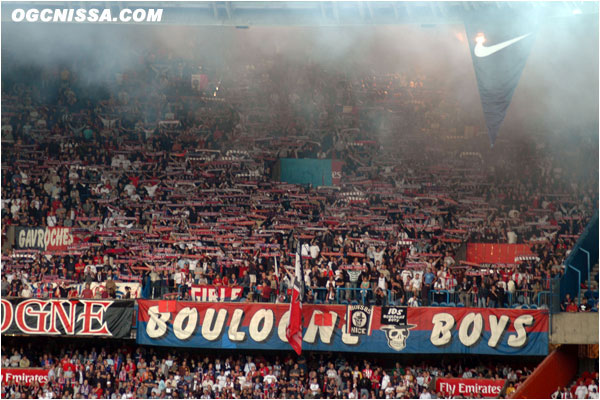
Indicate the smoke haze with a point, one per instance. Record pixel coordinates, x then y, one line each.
557 93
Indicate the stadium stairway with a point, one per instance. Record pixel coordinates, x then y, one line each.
581 263
559 368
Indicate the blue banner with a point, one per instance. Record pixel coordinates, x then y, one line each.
423 330
500 43
306 171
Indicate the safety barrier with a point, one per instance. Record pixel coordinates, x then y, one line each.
578 264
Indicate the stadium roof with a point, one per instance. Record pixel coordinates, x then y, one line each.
316 13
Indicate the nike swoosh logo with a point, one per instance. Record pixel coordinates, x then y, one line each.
482 51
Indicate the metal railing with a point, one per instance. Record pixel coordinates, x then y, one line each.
436 298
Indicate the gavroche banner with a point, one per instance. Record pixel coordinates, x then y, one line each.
43 238
67 317
396 329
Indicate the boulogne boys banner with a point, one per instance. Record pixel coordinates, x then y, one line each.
424 330
67 317
43 238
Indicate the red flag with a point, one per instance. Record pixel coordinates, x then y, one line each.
167 306
293 332
323 319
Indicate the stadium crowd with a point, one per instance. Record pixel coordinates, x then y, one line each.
584 387
125 372
166 184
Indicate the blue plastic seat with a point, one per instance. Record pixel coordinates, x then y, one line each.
443 304
460 305
451 305
317 301
591 303
533 307
434 304
354 302
345 302
515 306
524 307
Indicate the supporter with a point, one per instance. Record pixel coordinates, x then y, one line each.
120 180
87 292
584 306
581 391
572 307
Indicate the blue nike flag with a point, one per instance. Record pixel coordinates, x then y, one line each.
500 42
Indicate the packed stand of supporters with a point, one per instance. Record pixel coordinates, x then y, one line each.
584 387
126 372
165 185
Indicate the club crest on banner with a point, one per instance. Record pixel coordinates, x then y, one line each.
394 324
359 319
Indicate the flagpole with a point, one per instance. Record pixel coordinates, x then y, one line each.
293 331
277 275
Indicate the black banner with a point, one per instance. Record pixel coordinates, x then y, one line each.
393 316
30 238
66 317
360 320
43 238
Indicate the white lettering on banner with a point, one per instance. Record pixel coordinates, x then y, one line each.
208 331
212 295
448 388
262 322
521 337
283 323
478 389
348 338
23 378
325 332
191 315
442 325
40 238
44 237
28 308
157 323
236 293
451 387
496 329
466 338
7 315
267 317
236 320
215 294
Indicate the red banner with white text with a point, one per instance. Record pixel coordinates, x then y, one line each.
216 293
469 387
495 253
24 376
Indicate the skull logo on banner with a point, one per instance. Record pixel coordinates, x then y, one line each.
397 335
